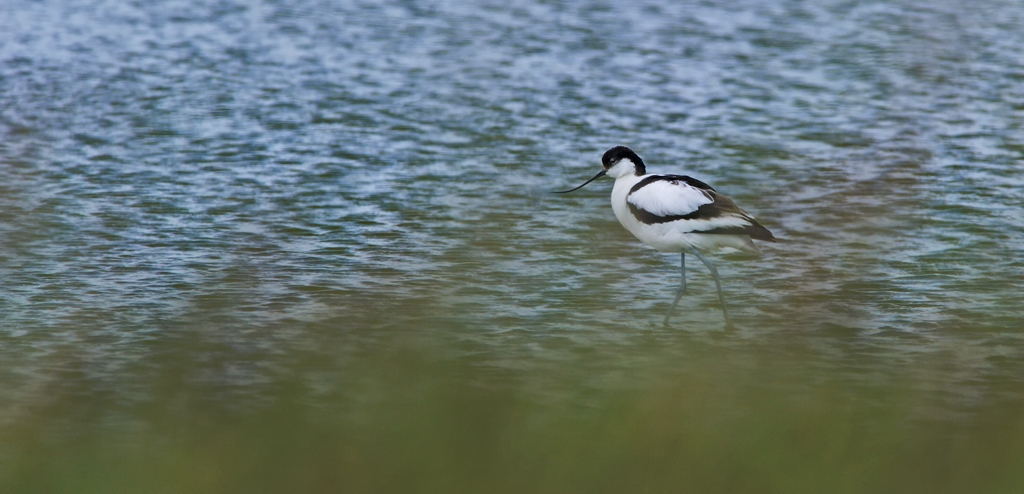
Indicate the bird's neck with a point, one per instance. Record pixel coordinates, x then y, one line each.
625 182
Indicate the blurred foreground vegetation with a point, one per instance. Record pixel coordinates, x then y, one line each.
404 413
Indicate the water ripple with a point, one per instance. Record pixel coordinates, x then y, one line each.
386 165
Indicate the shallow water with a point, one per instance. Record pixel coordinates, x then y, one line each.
334 218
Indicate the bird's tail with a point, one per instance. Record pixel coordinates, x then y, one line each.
758 232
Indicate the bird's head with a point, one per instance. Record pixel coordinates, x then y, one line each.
617 161
620 160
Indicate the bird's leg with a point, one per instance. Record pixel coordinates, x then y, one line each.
682 286
718 284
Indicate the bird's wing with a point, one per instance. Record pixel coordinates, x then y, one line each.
670 195
667 198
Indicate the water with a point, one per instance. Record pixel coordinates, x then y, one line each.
309 246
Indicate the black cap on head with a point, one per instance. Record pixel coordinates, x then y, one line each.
613 155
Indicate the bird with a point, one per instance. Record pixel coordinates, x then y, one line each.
677 214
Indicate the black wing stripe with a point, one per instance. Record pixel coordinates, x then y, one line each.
693 182
706 211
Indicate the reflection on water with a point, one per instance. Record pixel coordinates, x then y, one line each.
319 236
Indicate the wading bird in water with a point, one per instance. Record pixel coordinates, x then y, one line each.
677 213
